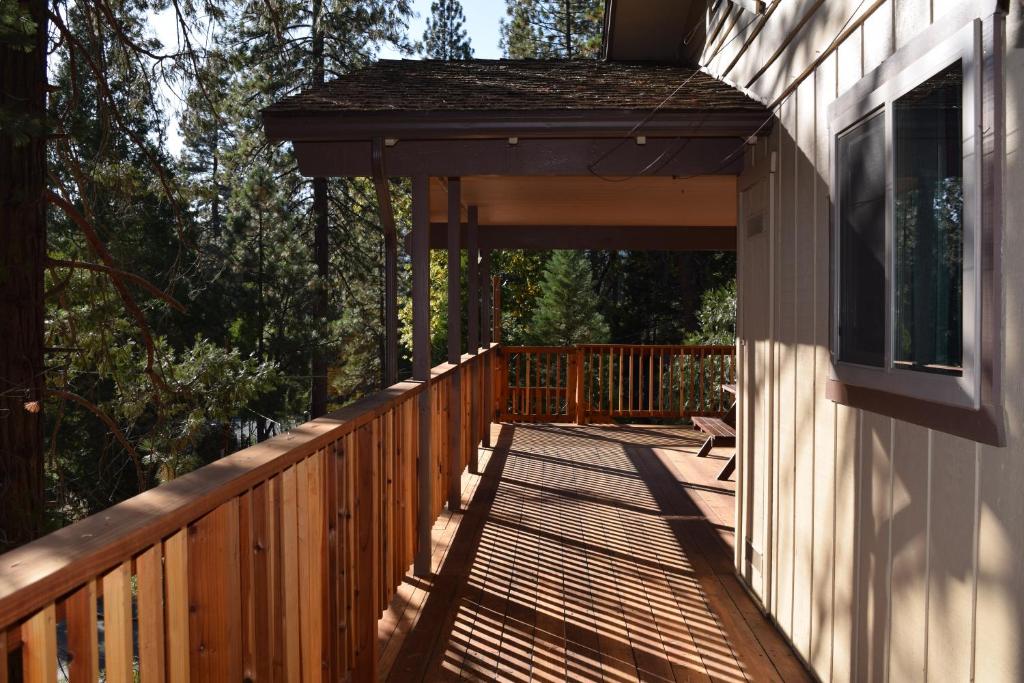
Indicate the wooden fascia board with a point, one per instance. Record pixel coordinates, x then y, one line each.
600 237
610 157
340 126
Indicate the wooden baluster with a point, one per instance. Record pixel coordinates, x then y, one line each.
620 379
149 572
538 403
629 380
176 605
290 575
650 381
83 640
39 646
367 528
611 382
118 643
265 605
702 404
558 384
721 381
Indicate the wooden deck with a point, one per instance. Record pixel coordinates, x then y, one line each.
585 553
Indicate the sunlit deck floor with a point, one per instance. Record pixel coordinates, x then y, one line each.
585 553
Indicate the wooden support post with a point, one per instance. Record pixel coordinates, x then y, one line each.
390 309
485 334
485 298
421 366
473 333
387 223
473 282
496 305
455 343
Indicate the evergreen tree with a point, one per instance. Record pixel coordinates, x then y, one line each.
717 316
545 29
568 308
445 38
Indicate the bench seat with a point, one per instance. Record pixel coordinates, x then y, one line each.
719 432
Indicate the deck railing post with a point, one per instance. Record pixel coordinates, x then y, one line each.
421 366
455 343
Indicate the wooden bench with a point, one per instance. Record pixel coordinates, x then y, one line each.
718 430
721 432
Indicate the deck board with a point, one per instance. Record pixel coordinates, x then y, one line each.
586 553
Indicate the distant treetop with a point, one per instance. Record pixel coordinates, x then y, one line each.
445 38
544 29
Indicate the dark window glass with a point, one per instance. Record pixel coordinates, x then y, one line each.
928 226
861 167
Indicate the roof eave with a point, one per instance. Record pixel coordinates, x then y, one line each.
308 126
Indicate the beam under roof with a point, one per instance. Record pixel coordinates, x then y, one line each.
589 201
598 237
608 157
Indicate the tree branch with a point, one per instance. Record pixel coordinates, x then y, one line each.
111 425
141 281
97 245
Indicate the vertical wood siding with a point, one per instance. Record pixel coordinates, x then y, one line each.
898 551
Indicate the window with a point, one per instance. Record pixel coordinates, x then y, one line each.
907 231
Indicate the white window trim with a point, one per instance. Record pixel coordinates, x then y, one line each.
855 107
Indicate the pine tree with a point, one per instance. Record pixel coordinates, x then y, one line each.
568 308
445 38
546 29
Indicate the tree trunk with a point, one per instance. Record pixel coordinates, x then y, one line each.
568 29
320 252
318 403
22 257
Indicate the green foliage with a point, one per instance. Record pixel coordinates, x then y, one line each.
546 29
17 28
445 38
521 274
226 230
717 316
568 309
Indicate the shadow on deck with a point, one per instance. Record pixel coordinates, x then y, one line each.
585 553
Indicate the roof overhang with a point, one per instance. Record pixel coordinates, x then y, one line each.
607 177
654 30
472 125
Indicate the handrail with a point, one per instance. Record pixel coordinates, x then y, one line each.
601 382
324 513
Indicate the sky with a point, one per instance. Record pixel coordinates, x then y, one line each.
482 26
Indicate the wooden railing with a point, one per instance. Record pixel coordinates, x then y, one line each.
274 563
600 382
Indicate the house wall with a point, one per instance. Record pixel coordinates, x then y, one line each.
897 551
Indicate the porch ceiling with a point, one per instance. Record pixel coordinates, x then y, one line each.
585 201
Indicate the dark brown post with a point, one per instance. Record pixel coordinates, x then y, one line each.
472 281
473 333
387 222
485 333
496 290
455 343
421 365
390 309
485 297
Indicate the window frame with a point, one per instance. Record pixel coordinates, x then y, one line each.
856 107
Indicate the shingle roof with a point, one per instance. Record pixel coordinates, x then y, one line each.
517 85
